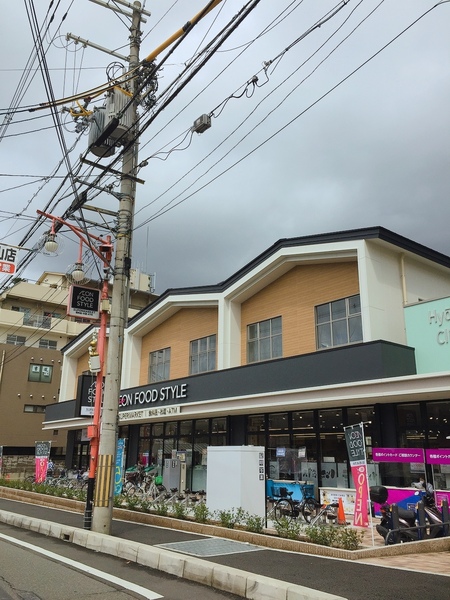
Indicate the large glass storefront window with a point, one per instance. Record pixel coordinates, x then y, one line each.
81 451
185 445
304 441
410 434
438 435
333 466
144 446
256 430
310 445
410 429
189 439
201 441
279 455
218 431
366 416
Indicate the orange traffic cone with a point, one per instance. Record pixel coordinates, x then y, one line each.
341 520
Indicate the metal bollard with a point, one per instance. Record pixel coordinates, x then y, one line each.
395 522
422 533
445 516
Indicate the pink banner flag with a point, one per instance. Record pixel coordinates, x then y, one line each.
360 515
40 469
42 454
354 437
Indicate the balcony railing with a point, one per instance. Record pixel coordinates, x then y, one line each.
41 322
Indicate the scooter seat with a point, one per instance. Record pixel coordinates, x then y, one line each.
408 515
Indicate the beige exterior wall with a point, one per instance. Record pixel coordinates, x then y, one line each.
17 427
293 297
176 333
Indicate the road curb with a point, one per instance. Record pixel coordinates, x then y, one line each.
228 579
268 541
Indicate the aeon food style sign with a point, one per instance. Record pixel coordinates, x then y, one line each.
150 395
84 302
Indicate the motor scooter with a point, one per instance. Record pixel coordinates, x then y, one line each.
431 515
406 518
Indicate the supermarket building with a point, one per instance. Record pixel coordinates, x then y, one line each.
316 333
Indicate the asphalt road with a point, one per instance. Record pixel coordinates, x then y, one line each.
349 579
36 567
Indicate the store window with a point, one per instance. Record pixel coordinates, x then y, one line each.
218 431
157 447
144 456
202 356
185 445
339 322
438 424
159 365
201 440
256 423
333 466
409 427
264 340
41 373
305 447
256 427
279 447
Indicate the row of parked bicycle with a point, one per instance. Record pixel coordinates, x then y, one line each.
312 512
73 479
148 486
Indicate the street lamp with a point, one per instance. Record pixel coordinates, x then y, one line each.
51 245
102 250
77 275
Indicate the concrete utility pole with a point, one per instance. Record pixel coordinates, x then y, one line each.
104 484
103 501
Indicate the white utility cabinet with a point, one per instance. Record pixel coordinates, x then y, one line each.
236 478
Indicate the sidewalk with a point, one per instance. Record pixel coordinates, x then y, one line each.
243 568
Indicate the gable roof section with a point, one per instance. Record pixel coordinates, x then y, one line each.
172 296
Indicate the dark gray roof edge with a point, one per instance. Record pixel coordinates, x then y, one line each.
376 232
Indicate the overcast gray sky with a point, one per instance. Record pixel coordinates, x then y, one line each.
292 155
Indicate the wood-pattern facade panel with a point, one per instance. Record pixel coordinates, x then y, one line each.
294 297
176 333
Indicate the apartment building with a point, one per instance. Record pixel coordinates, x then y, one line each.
34 327
314 334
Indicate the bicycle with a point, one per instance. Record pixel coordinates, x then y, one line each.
286 507
77 479
326 514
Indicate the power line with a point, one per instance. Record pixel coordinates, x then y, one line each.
169 206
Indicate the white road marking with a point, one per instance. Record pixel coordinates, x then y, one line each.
128 585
